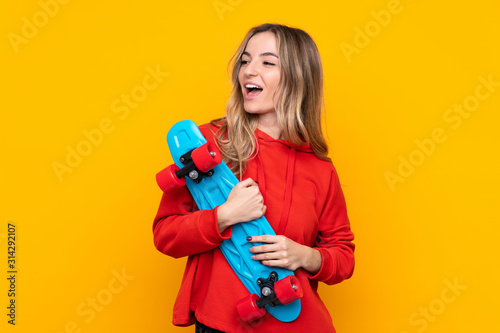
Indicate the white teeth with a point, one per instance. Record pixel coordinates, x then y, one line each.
252 86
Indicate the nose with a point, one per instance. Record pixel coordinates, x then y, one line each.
250 69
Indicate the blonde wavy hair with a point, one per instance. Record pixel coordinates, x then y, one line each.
299 107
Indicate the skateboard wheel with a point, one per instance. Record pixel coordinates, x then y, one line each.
168 180
288 289
248 309
206 156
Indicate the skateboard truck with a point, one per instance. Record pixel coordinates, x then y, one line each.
198 163
267 291
273 292
190 169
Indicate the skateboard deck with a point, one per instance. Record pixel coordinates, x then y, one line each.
212 191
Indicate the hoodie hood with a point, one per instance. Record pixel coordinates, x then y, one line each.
304 147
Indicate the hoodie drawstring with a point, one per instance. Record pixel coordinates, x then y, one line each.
287 199
261 180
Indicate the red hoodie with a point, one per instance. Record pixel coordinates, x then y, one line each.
304 202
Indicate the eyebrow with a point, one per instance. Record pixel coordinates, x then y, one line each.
262 54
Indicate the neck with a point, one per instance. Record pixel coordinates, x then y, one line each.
268 123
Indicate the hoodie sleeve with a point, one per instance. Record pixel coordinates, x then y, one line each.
179 229
335 237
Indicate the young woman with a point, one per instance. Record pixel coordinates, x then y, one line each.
271 138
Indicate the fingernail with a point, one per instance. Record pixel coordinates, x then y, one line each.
249 238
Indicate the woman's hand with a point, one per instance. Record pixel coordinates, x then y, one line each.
244 203
280 251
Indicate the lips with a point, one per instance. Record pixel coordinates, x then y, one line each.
251 90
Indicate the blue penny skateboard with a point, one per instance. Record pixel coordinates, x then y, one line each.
199 165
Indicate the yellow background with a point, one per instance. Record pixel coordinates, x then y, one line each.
78 230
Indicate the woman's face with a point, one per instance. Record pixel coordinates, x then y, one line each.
259 74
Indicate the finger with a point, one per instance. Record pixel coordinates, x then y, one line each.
263 239
264 248
269 256
247 182
284 263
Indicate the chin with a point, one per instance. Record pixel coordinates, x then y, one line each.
256 110
250 109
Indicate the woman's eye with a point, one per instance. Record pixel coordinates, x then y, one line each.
245 62
267 63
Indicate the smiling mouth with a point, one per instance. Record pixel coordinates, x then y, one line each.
252 90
